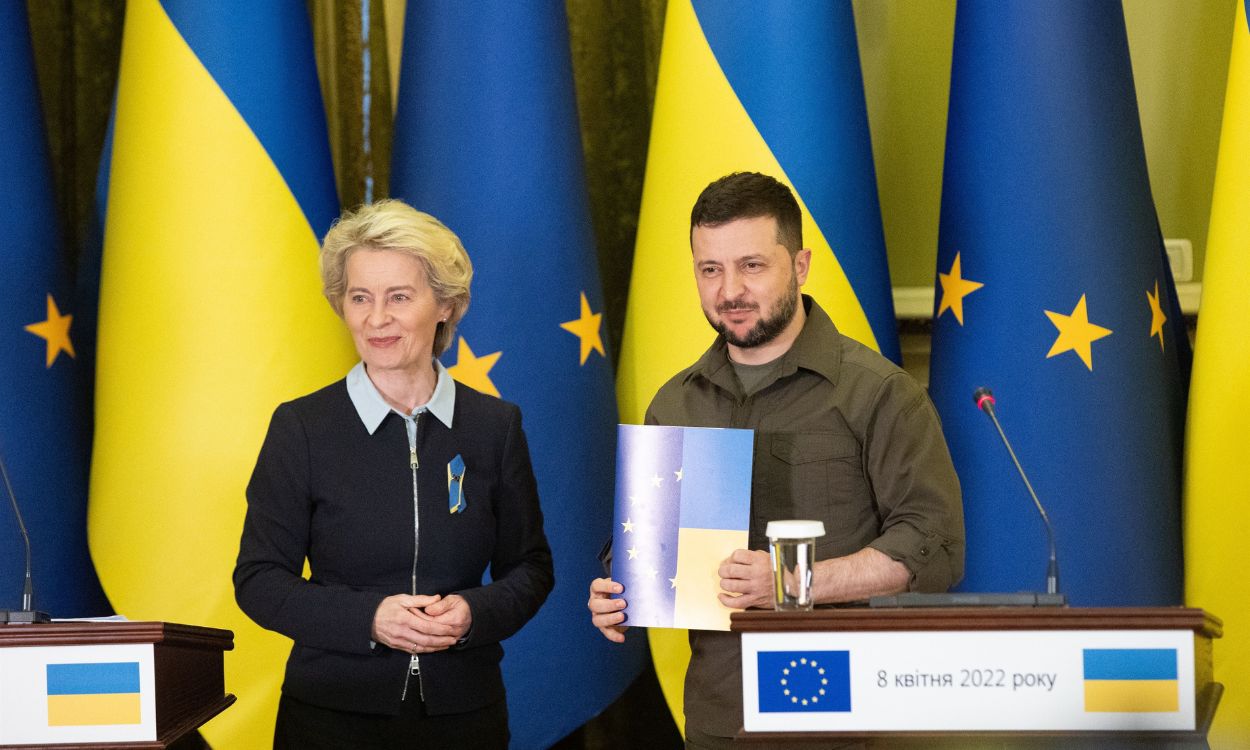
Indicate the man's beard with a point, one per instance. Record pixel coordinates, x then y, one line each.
766 329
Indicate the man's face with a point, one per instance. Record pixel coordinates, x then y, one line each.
748 283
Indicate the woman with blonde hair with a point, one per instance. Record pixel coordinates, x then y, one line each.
401 488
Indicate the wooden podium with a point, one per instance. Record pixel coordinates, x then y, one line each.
109 684
973 676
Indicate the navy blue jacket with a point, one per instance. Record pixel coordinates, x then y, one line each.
326 490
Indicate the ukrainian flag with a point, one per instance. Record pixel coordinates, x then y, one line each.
93 694
773 88
1216 450
210 312
1135 680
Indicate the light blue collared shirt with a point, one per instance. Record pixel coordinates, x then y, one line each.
372 408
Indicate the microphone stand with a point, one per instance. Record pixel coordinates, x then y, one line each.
985 402
27 615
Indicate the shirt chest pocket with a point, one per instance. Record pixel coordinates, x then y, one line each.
816 472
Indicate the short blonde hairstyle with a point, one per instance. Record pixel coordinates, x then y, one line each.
394 225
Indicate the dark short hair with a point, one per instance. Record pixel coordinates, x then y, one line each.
750 195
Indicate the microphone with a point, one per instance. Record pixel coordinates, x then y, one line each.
984 399
27 614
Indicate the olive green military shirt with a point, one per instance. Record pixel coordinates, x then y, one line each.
842 436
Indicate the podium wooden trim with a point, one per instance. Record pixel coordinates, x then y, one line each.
188 661
1205 627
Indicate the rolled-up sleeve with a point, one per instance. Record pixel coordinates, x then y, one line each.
915 486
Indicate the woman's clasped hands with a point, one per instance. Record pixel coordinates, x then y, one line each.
421 624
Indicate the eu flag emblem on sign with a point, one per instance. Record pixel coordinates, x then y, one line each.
804 681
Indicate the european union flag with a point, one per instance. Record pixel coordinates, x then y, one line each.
683 504
1053 290
44 435
804 681
486 139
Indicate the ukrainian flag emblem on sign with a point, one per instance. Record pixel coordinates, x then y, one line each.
93 694
1131 679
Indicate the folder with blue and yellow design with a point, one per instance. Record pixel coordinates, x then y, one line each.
683 504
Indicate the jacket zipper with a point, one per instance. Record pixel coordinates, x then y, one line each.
414 664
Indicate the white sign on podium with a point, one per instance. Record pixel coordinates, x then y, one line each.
1080 680
69 694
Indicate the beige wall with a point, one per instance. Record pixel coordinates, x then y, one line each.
1180 52
1180 61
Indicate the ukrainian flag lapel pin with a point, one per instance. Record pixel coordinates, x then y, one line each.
455 485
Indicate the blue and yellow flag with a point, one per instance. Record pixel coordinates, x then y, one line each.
1130 680
93 694
1216 450
486 139
210 313
804 681
774 89
44 438
1052 290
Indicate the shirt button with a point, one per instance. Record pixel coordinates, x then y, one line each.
924 551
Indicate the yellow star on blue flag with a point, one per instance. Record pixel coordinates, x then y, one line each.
1076 333
586 329
474 371
55 331
1157 318
954 288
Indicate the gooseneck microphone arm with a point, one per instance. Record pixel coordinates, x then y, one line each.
984 400
28 613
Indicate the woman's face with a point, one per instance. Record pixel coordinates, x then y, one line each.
391 311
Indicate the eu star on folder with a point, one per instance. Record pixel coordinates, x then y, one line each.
683 504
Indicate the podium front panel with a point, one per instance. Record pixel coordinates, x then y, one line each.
73 694
1017 680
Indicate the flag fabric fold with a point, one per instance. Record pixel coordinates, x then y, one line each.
1216 451
487 140
774 89
44 433
219 185
1053 291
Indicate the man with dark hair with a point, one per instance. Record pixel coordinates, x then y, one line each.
750 195
842 436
